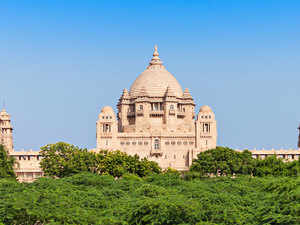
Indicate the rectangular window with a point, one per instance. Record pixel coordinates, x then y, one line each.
206 128
156 144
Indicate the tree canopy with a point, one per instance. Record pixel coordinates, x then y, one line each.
113 188
62 159
6 164
166 199
273 166
223 161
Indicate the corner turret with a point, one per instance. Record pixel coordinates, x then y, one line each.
6 131
206 129
106 128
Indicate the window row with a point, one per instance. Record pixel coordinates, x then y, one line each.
206 117
158 106
282 156
106 117
29 157
156 143
179 143
134 143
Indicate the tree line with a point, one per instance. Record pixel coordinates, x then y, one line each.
112 188
62 159
158 199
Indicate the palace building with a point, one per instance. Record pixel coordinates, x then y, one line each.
157 120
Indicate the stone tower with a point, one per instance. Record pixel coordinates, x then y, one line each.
6 131
206 129
106 128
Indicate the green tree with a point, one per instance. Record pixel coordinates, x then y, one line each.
223 161
273 166
6 164
62 159
117 163
293 168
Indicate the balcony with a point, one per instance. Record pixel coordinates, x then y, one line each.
171 112
156 152
156 112
140 112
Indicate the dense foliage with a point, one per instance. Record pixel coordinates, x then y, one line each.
6 164
224 161
167 198
273 166
112 188
62 159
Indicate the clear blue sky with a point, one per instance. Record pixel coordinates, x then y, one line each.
61 61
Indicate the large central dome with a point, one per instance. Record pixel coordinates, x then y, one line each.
155 80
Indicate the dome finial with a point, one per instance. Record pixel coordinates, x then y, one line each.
155 53
155 59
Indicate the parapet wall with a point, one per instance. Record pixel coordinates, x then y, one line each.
286 154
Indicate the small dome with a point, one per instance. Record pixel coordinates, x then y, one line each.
205 108
155 80
107 109
3 113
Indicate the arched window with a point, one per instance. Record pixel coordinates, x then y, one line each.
106 128
206 127
156 144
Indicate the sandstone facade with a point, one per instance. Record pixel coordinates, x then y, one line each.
157 120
